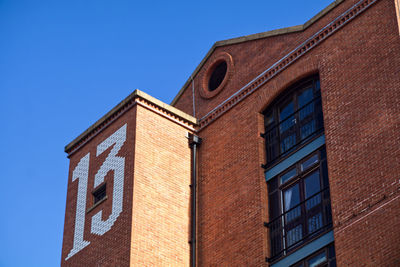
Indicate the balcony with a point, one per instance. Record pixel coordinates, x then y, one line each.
300 224
293 130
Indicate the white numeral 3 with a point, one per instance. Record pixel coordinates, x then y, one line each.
81 172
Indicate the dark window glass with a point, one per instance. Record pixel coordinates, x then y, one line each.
331 252
286 111
306 111
320 258
309 162
293 119
99 194
312 184
299 202
312 187
292 197
289 175
317 260
217 76
305 97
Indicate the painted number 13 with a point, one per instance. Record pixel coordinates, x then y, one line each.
81 172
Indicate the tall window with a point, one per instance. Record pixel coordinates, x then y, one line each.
299 199
299 204
293 119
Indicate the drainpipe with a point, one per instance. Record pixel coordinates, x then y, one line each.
194 142
194 104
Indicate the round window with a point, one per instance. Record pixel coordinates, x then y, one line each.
217 75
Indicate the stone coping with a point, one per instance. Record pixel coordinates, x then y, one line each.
136 94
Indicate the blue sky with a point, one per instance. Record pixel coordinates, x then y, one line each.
64 64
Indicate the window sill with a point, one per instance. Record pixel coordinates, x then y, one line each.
320 236
97 204
294 150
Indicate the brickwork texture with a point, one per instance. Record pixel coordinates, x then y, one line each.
358 62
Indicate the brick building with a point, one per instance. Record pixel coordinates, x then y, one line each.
282 149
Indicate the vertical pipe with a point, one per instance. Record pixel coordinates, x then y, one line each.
194 104
194 141
194 200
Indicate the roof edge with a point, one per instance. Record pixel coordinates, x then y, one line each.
256 36
136 94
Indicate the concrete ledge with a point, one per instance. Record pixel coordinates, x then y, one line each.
135 95
295 157
305 251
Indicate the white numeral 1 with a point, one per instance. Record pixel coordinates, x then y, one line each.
80 172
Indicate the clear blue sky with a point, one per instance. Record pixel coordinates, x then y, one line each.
64 64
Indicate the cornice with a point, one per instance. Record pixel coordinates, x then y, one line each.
136 98
286 61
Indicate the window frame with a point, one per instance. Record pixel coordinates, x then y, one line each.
277 203
330 257
100 191
272 122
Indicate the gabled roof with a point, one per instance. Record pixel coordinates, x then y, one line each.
256 36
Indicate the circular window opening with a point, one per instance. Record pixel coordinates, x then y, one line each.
217 76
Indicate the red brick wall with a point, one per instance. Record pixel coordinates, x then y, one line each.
231 189
362 100
112 248
153 228
161 197
359 67
250 59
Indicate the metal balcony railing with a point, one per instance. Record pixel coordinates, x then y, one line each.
295 226
294 130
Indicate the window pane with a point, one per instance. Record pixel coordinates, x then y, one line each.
286 111
308 163
312 186
289 175
288 124
314 223
316 260
288 142
312 183
307 129
99 194
287 127
331 251
272 144
294 235
292 199
306 111
305 97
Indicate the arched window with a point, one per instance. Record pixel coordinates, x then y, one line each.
297 176
293 119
